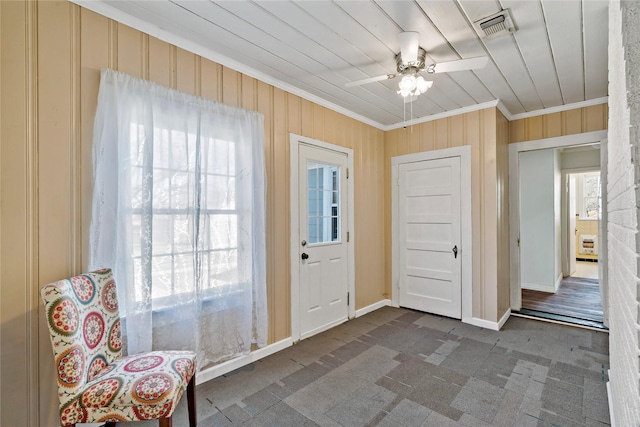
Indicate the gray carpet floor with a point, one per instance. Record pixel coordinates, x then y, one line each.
398 367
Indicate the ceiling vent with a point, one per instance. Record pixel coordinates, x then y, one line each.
495 25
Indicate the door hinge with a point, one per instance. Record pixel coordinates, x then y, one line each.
348 297
347 173
347 237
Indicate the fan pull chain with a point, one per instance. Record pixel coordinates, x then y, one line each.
404 114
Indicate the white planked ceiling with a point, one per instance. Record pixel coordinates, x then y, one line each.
557 56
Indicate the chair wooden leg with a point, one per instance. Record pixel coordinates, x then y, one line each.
191 401
166 422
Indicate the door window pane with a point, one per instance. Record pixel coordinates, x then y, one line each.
323 202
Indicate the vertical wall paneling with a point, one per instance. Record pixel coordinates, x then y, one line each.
534 127
208 79
96 52
56 167
32 207
318 122
75 109
390 150
280 199
306 118
442 133
197 76
414 135
456 130
129 49
159 62
144 56
474 122
593 118
265 106
428 136
551 125
230 87
186 72
113 44
1 198
249 94
19 226
571 122
579 120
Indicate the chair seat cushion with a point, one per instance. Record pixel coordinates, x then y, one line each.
138 387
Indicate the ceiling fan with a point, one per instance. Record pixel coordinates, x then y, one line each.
411 60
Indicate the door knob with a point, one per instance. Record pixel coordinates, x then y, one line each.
304 256
455 251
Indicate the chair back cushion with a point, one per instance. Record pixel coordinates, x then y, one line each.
84 325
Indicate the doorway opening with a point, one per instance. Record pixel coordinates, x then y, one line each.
558 214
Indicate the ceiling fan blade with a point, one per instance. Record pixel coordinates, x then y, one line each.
460 65
370 80
409 41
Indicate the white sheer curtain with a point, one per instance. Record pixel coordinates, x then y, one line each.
179 215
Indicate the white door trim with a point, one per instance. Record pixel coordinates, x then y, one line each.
514 197
295 141
464 153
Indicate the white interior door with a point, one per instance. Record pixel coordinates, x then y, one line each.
323 250
429 253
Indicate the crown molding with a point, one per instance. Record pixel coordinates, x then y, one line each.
559 108
444 114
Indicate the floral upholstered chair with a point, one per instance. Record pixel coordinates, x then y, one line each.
95 383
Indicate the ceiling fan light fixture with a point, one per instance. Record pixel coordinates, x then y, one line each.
423 85
408 82
410 85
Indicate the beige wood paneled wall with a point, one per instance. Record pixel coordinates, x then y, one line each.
579 120
51 56
487 135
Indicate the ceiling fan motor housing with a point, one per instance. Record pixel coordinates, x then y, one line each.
405 66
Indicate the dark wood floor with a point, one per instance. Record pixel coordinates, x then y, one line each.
577 297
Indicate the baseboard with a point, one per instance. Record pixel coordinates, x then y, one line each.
482 323
233 364
541 288
504 318
612 418
373 307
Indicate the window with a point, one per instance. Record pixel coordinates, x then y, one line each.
172 223
591 195
323 201
179 215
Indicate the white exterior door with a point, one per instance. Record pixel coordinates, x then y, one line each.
323 256
429 243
